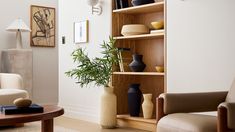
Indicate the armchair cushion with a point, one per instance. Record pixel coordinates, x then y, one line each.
192 102
10 80
7 96
231 114
183 122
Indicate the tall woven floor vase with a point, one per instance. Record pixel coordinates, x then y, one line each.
108 115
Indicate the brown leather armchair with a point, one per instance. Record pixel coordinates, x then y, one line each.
175 112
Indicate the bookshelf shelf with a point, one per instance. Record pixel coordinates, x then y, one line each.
137 122
159 35
140 73
128 117
148 8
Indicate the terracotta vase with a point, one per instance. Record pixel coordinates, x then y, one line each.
108 115
147 106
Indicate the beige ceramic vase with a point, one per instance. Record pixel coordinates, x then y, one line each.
147 106
108 115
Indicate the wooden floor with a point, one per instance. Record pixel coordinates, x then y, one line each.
63 124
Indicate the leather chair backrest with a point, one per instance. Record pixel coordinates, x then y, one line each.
231 93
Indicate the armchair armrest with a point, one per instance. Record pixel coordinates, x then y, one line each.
191 102
230 110
10 80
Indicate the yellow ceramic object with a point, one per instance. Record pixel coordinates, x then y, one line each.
158 24
159 68
22 102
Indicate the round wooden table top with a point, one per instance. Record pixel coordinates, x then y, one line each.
50 112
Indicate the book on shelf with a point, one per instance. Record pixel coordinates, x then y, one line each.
157 31
12 109
125 58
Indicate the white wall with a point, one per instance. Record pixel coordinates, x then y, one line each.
82 103
200 45
45 60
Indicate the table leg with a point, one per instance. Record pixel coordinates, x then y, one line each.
47 125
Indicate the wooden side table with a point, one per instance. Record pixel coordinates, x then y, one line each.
19 61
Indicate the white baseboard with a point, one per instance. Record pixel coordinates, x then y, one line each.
79 112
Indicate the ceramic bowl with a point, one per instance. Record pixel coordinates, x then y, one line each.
159 68
158 24
134 29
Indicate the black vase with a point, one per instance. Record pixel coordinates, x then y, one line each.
137 65
134 99
141 2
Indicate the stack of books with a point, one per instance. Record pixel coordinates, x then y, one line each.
125 58
12 109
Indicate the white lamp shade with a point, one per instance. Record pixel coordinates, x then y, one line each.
18 24
92 2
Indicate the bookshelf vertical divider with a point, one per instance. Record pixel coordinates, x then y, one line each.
152 47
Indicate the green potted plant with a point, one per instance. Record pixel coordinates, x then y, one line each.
99 71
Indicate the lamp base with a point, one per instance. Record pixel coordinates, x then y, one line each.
19 40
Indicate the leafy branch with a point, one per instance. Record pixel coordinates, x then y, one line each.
98 70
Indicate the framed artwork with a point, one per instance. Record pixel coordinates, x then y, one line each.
81 32
43 26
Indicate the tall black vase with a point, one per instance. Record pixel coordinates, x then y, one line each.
137 65
141 2
134 99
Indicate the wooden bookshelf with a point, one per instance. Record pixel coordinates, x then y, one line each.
148 8
140 73
152 47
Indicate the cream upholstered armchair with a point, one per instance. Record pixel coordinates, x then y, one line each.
174 112
11 88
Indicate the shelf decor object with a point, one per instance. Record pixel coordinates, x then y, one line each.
137 65
159 68
147 106
18 26
134 99
81 31
95 7
125 58
141 2
134 29
119 4
153 47
43 25
158 24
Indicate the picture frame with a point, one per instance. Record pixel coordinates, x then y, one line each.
43 26
81 31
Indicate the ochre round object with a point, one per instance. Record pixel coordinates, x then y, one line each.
134 29
22 102
158 24
159 68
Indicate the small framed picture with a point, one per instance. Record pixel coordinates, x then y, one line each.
81 32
